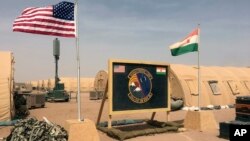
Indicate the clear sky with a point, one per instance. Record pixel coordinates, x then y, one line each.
130 29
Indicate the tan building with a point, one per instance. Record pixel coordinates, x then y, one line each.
70 84
219 85
6 86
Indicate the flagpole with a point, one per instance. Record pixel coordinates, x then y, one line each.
78 62
198 70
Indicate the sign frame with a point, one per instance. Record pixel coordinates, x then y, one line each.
110 87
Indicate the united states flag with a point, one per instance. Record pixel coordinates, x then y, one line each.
55 20
119 68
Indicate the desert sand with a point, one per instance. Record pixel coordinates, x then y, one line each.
59 112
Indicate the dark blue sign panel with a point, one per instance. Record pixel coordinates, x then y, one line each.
139 86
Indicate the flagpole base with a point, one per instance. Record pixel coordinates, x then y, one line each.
200 120
81 130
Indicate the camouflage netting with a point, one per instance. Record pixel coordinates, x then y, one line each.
31 129
122 122
151 127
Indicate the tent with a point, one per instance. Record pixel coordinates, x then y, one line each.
6 86
70 84
219 85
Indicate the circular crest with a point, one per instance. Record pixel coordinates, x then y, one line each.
140 85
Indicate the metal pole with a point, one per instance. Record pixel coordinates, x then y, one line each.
78 61
56 75
56 53
199 92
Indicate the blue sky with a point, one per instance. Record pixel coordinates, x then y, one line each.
133 30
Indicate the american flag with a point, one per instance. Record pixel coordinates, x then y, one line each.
55 20
119 68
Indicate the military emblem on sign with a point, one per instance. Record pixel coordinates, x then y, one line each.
140 85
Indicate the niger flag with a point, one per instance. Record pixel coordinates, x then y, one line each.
189 44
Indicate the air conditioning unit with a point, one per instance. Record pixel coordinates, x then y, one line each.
35 100
243 108
93 95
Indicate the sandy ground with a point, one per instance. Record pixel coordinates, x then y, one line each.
60 112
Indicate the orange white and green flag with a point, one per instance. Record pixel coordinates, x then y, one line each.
161 71
188 44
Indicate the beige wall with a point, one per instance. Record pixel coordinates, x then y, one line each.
183 83
6 86
70 83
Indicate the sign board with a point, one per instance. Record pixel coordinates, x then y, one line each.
136 86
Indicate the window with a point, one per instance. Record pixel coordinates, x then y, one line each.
193 87
234 87
246 84
214 87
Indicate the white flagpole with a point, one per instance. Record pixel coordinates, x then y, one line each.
78 61
198 70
